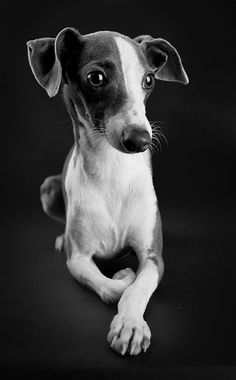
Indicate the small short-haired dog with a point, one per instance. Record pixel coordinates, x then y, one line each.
105 194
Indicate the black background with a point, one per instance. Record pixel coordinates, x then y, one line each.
52 326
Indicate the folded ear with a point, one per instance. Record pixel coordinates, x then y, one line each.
48 57
164 58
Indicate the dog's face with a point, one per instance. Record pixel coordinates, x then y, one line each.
109 77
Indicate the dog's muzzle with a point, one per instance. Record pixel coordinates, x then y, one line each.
135 139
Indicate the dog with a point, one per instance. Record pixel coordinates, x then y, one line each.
105 194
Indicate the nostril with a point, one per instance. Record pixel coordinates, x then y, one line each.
129 145
145 140
135 139
145 146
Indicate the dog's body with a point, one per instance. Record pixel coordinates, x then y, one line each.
105 194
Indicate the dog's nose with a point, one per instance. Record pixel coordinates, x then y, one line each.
135 139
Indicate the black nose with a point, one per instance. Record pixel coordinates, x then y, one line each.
135 139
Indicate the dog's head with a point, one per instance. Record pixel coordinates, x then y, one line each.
109 77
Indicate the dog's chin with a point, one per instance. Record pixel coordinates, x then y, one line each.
118 146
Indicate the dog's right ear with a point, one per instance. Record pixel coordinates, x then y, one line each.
48 56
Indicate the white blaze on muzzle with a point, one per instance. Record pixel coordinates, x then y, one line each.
133 71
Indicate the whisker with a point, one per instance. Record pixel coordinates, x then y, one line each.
158 135
63 122
158 122
152 148
66 124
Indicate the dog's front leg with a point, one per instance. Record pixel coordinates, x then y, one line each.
83 269
128 330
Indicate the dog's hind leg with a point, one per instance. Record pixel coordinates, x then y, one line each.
52 200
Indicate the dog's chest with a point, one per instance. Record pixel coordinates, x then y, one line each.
105 212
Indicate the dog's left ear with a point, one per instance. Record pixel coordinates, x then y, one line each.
164 58
49 56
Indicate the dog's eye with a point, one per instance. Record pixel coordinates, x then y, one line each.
96 78
149 81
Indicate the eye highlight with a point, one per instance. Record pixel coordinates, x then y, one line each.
148 81
96 79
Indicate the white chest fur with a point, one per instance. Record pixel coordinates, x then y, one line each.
111 202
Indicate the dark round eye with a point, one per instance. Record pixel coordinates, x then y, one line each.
96 78
149 81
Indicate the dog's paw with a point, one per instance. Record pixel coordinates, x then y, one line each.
127 275
129 334
59 243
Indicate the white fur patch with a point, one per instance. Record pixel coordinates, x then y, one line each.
133 72
115 206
